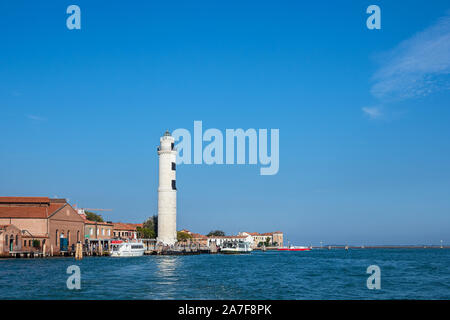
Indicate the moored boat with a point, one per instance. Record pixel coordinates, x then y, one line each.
236 247
127 249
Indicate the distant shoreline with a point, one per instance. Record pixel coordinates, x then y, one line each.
327 247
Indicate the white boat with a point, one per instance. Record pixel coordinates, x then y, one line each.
121 248
235 247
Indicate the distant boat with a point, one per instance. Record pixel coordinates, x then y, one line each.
236 247
127 249
294 248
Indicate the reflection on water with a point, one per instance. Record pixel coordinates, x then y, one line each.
167 274
318 274
167 265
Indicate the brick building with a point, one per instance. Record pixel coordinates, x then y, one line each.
42 220
10 239
196 238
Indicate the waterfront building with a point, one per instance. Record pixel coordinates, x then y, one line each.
10 239
274 238
125 231
196 238
42 220
167 191
98 233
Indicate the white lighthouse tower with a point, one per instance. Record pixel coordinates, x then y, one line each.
167 191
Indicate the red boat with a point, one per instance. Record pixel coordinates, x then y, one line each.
294 248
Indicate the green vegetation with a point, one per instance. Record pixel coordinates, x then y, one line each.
217 233
91 216
149 229
183 236
36 243
266 243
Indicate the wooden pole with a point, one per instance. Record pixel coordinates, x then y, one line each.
79 252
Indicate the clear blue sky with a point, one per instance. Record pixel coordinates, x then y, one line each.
363 114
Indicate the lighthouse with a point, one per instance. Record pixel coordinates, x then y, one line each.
167 191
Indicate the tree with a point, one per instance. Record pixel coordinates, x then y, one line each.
217 233
145 233
267 241
91 216
149 229
183 236
152 223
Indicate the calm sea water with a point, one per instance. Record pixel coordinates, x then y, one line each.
318 274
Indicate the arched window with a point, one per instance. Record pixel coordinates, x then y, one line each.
78 235
56 239
17 240
68 237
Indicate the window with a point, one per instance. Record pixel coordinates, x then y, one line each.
174 187
103 232
172 145
174 166
91 231
109 232
24 243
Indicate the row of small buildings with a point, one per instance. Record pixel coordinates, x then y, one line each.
272 239
40 223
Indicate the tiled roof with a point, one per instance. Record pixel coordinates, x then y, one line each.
98 223
24 200
197 235
264 234
227 237
126 226
40 212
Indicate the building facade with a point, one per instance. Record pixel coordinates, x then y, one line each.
10 239
42 220
272 238
125 231
196 238
98 234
